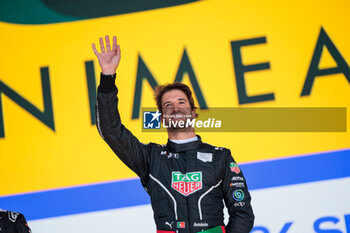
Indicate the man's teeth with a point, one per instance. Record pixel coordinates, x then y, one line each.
178 116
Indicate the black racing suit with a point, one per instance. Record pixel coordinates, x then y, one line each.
187 182
13 222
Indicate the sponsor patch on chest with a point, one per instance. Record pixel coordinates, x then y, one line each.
205 157
200 224
181 225
186 184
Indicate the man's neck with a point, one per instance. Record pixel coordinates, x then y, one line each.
183 141
175 135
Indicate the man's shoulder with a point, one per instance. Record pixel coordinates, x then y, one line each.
11 215
154 145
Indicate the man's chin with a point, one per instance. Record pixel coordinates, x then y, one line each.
178 129
180 126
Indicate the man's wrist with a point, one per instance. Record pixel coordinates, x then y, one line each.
107 75
106 72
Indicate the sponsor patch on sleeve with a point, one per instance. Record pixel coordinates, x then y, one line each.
238 195
237 184
234 168
13 216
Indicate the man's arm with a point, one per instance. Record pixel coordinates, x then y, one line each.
22 225
127 147
237 198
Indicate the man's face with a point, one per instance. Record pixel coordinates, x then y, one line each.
176 107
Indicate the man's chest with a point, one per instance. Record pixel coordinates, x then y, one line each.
186 172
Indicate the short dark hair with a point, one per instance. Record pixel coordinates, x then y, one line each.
161 90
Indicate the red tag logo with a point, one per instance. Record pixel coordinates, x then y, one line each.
234 168
188 183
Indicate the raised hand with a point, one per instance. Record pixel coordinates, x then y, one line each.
108 58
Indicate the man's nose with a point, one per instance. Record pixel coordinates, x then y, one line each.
175 107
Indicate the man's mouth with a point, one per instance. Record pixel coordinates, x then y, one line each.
178 116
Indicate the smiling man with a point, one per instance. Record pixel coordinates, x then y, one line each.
187 179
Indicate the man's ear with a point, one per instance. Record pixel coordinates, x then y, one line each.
194 114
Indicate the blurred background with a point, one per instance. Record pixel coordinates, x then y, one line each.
57 170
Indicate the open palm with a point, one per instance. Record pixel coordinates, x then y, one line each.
108 58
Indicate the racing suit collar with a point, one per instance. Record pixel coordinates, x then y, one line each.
184 146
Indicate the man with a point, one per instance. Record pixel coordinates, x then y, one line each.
186 179
13 222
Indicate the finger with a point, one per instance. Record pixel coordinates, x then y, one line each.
118 53
114 44
102 45
94 49
108 46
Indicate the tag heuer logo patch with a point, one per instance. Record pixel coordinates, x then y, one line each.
234 168
188 183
